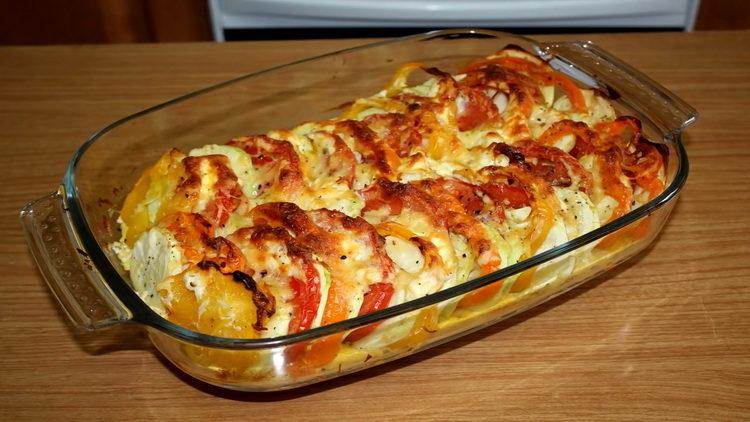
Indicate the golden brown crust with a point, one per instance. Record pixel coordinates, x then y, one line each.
339 163
396 196
396 130
274 155
226 189
459 157
374 151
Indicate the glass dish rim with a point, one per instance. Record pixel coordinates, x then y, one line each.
142 313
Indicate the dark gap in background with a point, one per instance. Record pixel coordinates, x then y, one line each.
321 33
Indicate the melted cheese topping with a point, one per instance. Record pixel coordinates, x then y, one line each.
240 163
413 190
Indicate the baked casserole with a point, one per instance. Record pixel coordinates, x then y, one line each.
434 181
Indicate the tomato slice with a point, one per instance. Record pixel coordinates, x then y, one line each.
464 192
260 160
307 357
378 196
377 297
477 109
226 201
305 299
512 196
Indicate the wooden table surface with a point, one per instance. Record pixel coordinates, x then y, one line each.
665 336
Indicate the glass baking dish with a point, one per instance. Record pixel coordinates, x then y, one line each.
69 231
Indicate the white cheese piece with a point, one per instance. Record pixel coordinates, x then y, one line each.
156 255
195 283
584 212
601 109
605 207
123 252
501 101
565 142
208 180
548 92
405 254
518 215
562 104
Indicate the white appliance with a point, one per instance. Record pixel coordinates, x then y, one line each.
298 14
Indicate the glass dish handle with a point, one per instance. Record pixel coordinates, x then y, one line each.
66 267
618 79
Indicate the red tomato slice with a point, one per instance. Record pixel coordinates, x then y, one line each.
260 160
512 196
464 192
377 197
306 298
478 108
225 203
306 357
377 297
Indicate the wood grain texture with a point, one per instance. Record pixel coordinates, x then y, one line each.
665 336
